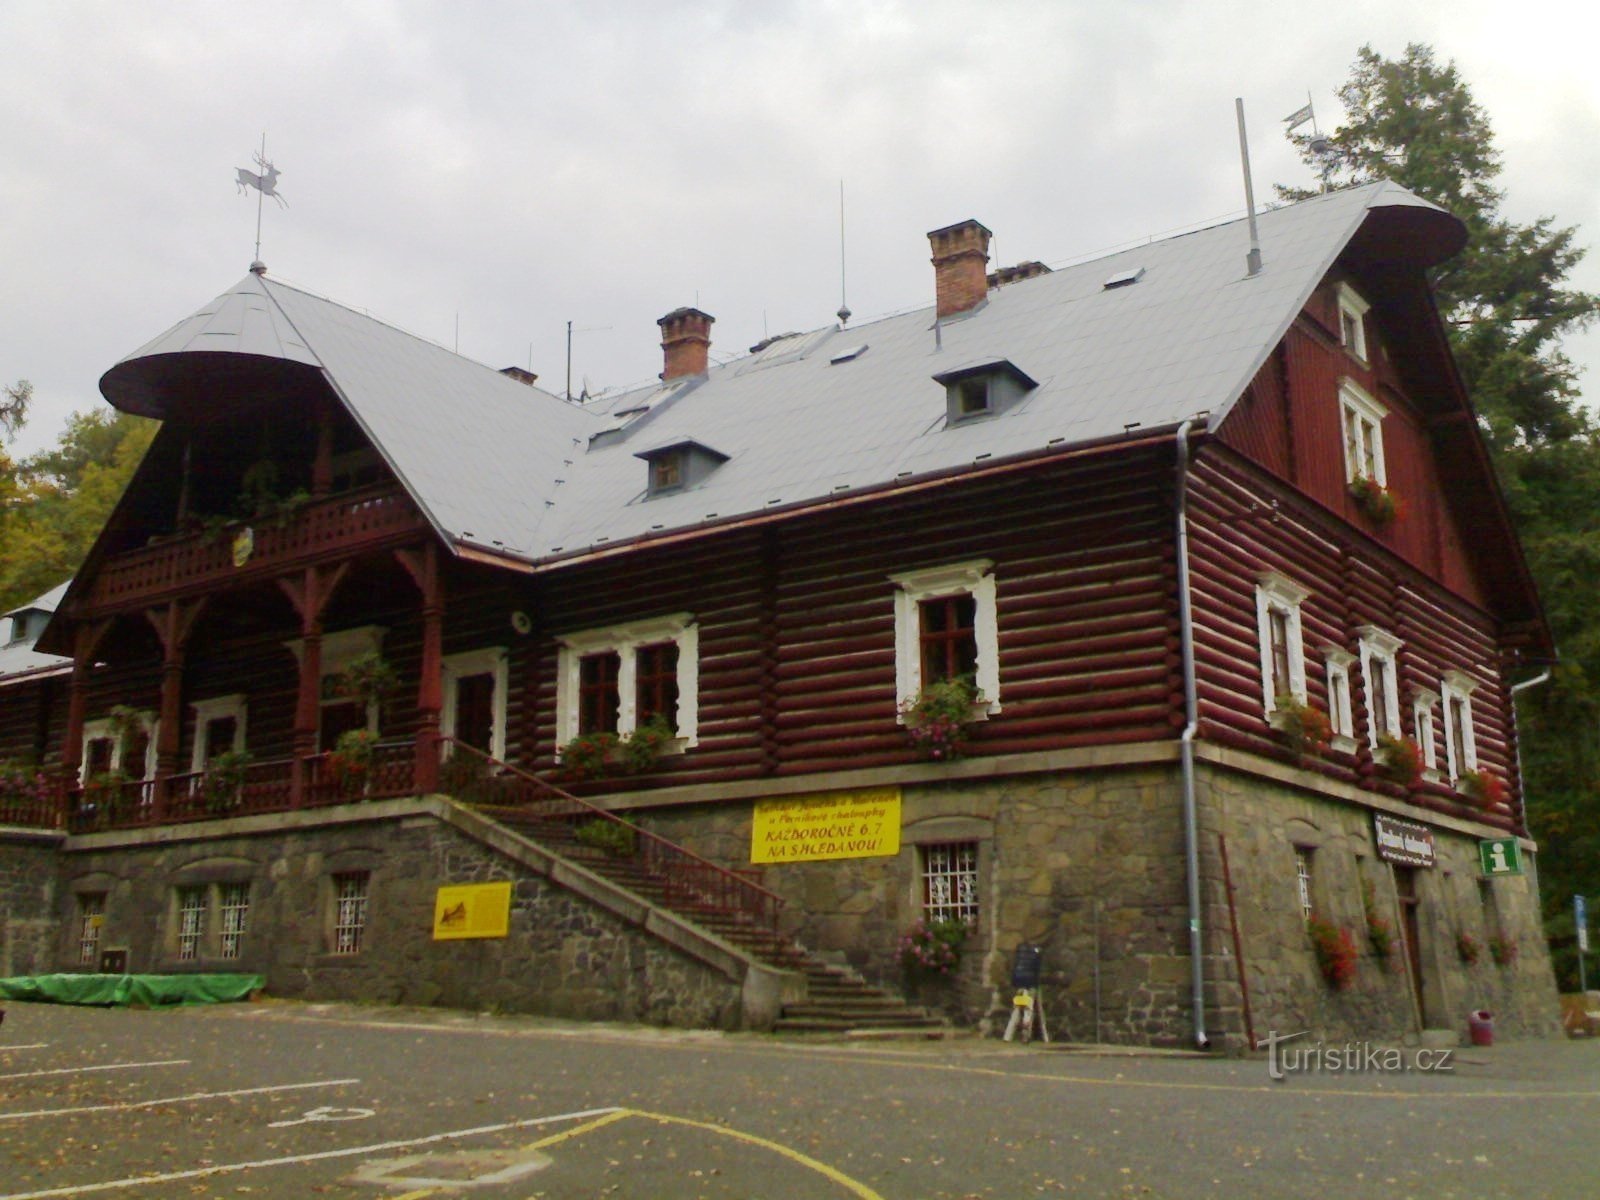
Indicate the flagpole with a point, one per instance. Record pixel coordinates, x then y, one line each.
261 195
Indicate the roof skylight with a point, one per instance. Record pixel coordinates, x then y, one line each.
1124 278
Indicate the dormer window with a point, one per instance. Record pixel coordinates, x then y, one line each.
678 464
982 389
1352 321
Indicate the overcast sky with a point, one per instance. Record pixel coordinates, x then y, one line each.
507 167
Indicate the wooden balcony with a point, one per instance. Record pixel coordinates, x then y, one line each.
359 520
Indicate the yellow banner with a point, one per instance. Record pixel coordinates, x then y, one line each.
472 910
864 824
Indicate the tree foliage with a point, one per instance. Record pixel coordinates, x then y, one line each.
1507 303
54 503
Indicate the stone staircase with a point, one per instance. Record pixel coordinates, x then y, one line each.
839 1002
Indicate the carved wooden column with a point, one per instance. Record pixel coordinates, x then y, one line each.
173 625
423 566
310 596
86 639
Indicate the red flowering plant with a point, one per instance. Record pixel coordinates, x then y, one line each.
936 719
932 948
1376 502
1484 788
1335 949
1468 949
1305 729
1400 759
1380 934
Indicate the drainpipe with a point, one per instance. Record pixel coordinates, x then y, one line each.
1191 709
1516 733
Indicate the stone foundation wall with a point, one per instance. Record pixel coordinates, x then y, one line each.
563 957
28 928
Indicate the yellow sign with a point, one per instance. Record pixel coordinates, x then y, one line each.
863 824
472 910
244 545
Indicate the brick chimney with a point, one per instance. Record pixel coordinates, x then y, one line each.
960 267
686 343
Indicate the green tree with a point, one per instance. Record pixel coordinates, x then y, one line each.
1507 304
56 502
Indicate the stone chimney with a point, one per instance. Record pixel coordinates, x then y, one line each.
1016 274
685 342
960 267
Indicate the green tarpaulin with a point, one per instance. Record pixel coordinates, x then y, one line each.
145 990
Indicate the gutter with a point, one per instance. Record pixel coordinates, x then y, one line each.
1191 708
1516 735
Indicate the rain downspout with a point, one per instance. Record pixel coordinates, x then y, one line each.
1516 734
1191 709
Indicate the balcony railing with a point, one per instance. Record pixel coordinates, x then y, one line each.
190 561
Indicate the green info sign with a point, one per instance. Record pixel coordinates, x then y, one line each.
1502 856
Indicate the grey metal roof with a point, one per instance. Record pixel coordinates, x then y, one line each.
20 660
513 468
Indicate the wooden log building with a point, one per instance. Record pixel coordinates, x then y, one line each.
1214 548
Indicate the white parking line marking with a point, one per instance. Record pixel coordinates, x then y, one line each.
83 1189
166 1062
29 1046
192 1096
327 1114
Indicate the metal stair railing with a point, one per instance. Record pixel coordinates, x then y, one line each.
485 782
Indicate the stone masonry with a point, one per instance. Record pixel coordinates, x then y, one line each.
28 924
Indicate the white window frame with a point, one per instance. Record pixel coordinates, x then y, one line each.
1353 306
1278 593
104 729
352 899
192 919
1354 401
1383 648
1341 716
233 918
217 708
624 641
974 578
340 649
949 881
1424 728
1304 881
492 660
1458 685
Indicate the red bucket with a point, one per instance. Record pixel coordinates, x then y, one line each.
1480 1027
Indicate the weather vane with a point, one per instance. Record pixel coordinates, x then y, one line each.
266 184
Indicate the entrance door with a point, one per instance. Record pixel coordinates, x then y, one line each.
1405 882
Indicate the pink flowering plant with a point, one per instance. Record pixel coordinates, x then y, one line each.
25 789
936 719
933 948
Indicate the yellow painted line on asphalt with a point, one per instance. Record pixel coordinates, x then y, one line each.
566 1134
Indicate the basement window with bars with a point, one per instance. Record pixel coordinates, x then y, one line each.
191 921
233 911
350 911
91 918
950 882
1303 881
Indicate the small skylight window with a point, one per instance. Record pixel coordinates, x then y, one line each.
1124 278
846 355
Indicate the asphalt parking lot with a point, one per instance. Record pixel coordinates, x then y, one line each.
293 1100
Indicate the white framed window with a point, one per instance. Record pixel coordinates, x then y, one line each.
475 687
219 728
350 911
1423 703
233 913
191 921
613 679
1362 419
91 918
1303 881
1341 718
1279 636
932 639
1460 746
950 881
1378 651
110 745
1352 321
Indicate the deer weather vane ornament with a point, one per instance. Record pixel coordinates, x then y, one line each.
265 184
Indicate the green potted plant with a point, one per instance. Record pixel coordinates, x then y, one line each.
1335 951
932 949
937 718
223 778
614 838
641 750
588 756
1376 502
368 680
351 758
1304 728
1399 759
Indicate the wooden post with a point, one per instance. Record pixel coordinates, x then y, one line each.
86 639
424 569
173 625
309 596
